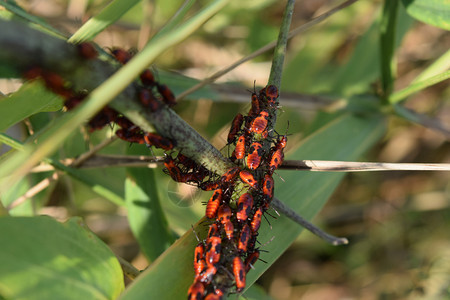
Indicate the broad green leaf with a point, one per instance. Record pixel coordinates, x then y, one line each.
146 218
433 12
30 99
170 276
106 17
41 258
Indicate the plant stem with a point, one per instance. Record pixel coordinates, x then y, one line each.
280 49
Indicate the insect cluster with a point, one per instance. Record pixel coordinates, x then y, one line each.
152 96
241 197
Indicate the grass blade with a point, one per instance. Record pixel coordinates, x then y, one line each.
418 86
110 14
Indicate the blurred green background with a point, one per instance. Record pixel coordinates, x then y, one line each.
397 222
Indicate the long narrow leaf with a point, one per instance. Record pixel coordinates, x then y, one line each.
418 86
110 14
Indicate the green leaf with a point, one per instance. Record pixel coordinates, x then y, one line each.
147 219
440 65
30 99
8 196
106 17
41 258
418 86
433 12
170 276
13 7
84 177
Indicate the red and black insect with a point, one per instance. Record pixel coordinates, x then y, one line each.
74 100
224 214
153 139
87 50
259 124
256 219
56 84
208 274
228 227
148 100
147 78
271 92
235 127
213 230
230 175
244 238
239 273
256 106
32 73
186 162
276 160
255 155
167 95
281 144
124 122
251 260
248 178
244 207
121 55
224 217
216 295
132 136
103 118
213 204
196 291
172 168
199 259
209 185
239 151
268 185
213 248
